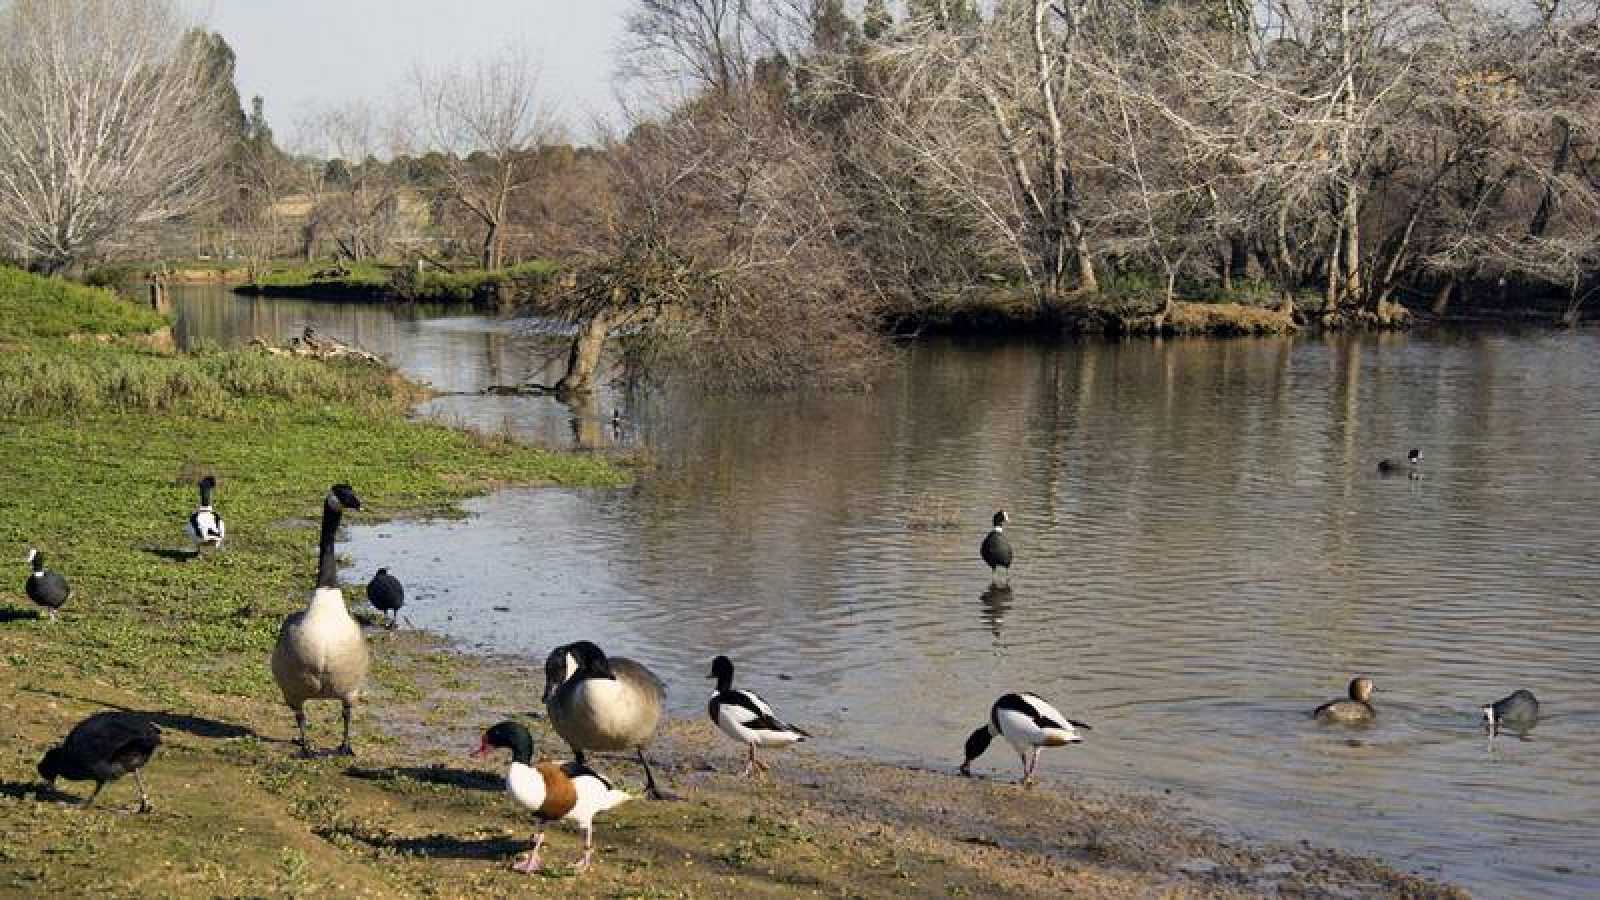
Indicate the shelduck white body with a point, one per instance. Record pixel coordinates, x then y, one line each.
205 526
745 717
1028 723
572 793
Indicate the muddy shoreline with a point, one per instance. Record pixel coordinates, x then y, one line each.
984 836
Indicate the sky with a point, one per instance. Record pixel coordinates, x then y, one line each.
301 55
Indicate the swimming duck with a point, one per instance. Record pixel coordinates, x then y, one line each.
996 550
573 792
1028 723
1355 710
747 718
602 704
1390 467
49 590
1518 711
386 595
205 526
321 653
103 748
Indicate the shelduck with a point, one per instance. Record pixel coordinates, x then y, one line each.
1028 724
205 527
745 717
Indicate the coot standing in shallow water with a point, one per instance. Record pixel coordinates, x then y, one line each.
1390 467
1355 710
45 588
996 550
103 748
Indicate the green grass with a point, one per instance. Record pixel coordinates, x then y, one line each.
372 281
34 307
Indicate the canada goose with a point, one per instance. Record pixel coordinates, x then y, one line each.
1028 723
386 595
603 704
1356 710
1519 712
747 718
1390 467
321 654
573 792
205 526
47 589
103 748
996 550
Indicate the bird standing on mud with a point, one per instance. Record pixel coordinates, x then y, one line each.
1028 724
573 792
321 653
387 595
745 717
103 748
996 550
602 704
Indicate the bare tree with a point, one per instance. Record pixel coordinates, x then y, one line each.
488 121
106 121
361 198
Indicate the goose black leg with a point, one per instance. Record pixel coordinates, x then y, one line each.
345 749
98 786
651 789
305 739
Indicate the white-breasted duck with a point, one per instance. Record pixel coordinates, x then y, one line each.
1029 724
745 717
603 704
573 792
321 653
205 526
996 550
387 595
48 590
1390 467
1517 712
103 748
1356 709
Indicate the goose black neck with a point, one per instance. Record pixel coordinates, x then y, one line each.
327 574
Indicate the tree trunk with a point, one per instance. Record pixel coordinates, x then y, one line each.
491 245
1541 216
1087 282
584 359
1238 259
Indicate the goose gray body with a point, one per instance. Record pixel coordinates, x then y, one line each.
601 704
321 653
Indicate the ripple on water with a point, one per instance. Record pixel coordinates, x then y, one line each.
1204 553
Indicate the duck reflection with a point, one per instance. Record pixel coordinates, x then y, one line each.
996 602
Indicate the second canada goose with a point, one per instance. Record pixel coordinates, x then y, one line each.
996 550
387 595
1028 724
602 704
1517 712
321 653
49 590
103 748
205 526
1354 710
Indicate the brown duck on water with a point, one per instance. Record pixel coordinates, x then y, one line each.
321 653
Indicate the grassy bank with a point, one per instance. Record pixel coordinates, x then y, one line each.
377 282
103 483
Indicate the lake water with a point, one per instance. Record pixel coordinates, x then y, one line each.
1203 553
